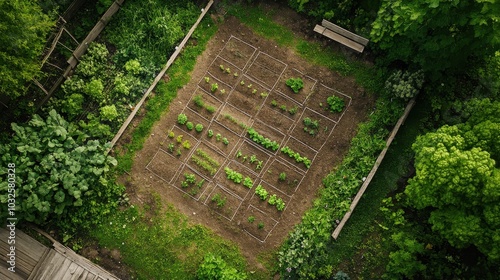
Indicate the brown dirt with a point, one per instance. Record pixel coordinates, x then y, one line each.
301 186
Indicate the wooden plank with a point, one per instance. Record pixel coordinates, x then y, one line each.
6 274
320 29
362 190
344 32
159 76
343 40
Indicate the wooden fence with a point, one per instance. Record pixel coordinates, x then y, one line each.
369 178
159 76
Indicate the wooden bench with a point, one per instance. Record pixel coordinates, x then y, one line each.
341 35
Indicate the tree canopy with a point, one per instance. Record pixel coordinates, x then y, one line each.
24 28
437 35
458 179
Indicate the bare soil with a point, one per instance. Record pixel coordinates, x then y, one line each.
266 66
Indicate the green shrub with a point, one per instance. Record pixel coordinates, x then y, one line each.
210 133
296 84
198 127
133 66
73 105
405 85
189 125
182 119
94 89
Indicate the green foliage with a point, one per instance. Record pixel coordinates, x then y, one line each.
24 28
296 84
203 160
94 89
294 155
260 139
215 268
94 62
437 36
261 192
214 87
109 113
189 125
210 133
282 176
247 182
133 66
65 177
335 104
148 30
404 261
233 175
251 219
199 127
457 179
182 119
72 106
404 85
219 200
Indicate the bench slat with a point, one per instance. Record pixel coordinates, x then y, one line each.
344 32
339 38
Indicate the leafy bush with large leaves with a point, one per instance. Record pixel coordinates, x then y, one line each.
61 177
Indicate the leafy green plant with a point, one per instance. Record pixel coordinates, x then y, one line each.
335 103
210 109
293 110
233 175
282 176
247 182
198 100
261 192
108 113
260 225
210 133
207 80
218 137
179 138
214 87
280 204
296 84
203 160
182 119
272 199
186 144
199 127
259 139
190 178
171 147
171 134
189 125
274 103
219 200
65 175
225 141
239 154
251 219
299 159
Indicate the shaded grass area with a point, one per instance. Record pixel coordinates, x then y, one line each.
159 243
362 248
261 23
166 92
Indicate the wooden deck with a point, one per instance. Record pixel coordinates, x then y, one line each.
36 261
341 35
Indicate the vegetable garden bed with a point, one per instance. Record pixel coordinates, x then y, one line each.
291 178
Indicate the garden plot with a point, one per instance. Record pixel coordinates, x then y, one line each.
223 202
324 100
258 142
204 104
282 176
257 223
178 143
288 107
222 138
206 160
234 119
161 166
314 129
251 156
308 84
238 179
217 88
238 52
190 182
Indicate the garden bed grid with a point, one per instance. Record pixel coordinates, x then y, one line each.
241 85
